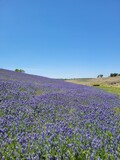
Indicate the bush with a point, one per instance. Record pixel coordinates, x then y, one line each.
96 85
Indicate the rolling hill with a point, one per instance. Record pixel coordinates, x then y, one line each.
50 119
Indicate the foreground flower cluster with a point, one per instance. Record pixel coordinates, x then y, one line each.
46 119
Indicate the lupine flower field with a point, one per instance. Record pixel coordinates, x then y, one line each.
48 119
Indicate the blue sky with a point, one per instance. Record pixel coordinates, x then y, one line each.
60 38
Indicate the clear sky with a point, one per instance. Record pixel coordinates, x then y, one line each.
60 38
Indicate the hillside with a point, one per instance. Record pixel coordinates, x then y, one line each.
49 119
110 84
109 81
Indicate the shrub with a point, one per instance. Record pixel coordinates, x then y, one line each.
96 85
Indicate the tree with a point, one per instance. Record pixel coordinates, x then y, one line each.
16 70
19 70
100 76
114 74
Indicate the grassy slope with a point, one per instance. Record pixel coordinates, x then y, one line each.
110 84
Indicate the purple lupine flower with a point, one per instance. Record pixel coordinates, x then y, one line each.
3 158
39 115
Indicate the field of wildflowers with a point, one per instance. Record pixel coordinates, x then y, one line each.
48 119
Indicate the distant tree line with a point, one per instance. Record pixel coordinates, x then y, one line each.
111 75
19 70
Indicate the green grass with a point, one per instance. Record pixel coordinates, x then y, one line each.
39 92
117 110
114 90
